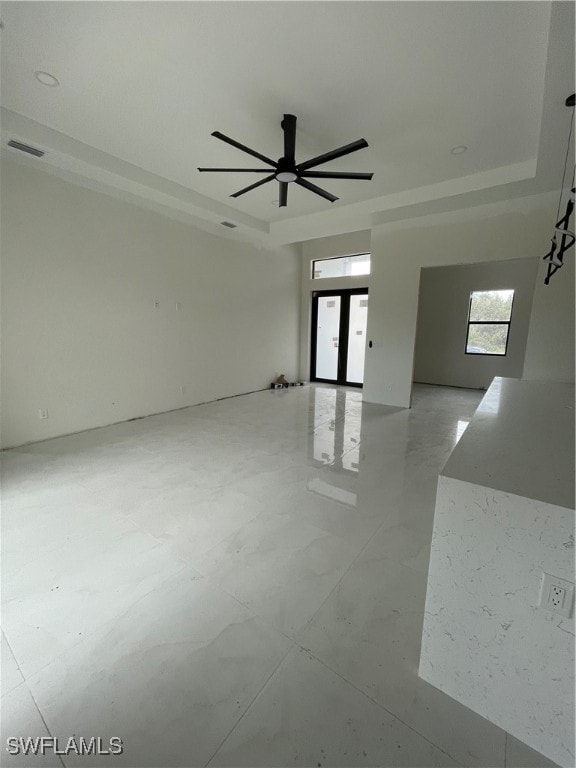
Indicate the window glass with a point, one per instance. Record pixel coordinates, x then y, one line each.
343 266
487 339
489 322
491 305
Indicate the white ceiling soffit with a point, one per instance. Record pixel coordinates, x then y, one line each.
143 85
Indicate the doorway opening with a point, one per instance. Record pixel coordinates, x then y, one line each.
338 343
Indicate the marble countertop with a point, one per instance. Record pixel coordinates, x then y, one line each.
520 441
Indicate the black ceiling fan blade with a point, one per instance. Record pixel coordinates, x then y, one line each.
289 128
242 147
333 155
317 190
253 186
283 202
336 175
234 170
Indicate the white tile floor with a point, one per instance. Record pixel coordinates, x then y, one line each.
235 584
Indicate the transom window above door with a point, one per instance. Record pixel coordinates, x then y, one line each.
341 266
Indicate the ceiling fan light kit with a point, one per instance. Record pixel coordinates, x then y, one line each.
286 171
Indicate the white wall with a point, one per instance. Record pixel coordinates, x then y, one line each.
326 248
510 229
550 348
80 334
443 320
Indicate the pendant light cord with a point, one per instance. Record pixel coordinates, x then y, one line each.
565 165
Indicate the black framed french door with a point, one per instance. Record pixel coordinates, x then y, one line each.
338 341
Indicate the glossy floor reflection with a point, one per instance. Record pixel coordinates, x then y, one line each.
237 583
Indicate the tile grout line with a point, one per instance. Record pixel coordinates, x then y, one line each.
270 624
13 654
378 704
43 720
250 705
335 587
189 563
114 619
209 579
106 623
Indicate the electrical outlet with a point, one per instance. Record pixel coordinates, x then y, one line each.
557 595
42 413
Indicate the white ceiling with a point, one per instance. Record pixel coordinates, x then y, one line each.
147 82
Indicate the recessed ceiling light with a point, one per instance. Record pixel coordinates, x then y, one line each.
47 79
459 150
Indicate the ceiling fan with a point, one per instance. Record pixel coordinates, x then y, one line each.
286 170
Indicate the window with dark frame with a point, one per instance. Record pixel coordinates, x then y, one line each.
489 317
341 266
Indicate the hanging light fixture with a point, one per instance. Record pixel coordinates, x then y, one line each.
564 237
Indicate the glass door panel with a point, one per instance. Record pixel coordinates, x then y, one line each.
339 322
358 319
327 337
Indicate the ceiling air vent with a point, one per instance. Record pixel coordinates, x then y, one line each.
25 148
228 224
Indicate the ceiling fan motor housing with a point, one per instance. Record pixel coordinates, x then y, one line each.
286 167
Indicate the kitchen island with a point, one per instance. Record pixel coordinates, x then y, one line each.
504 516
